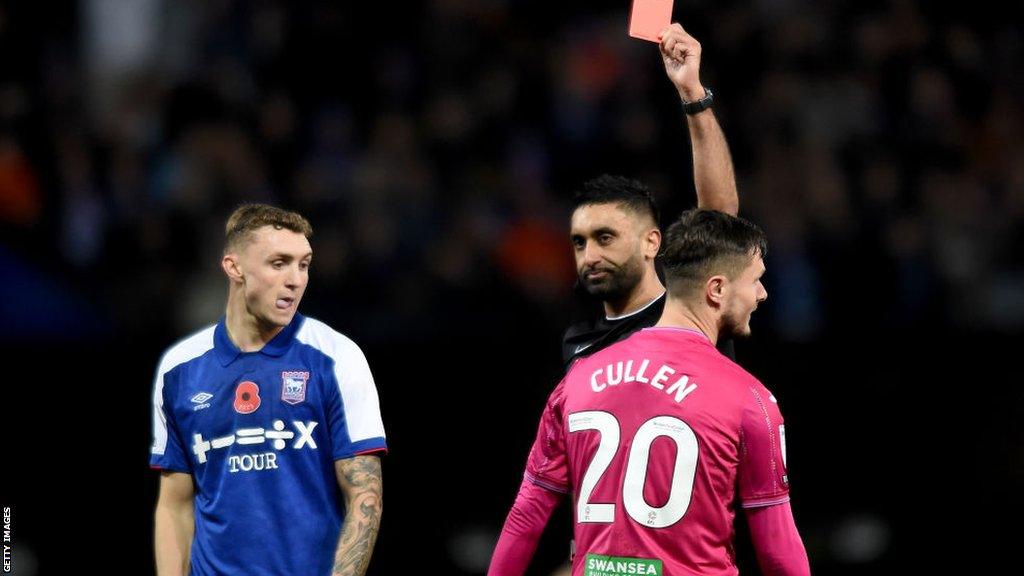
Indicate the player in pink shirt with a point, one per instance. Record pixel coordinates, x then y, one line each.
660 437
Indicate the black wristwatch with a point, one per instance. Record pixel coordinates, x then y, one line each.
700 105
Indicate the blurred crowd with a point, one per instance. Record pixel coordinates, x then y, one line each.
435 147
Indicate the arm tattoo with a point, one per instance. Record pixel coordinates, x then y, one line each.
360 481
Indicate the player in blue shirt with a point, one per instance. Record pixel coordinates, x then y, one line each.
266 425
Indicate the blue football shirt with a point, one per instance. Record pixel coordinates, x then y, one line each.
259 432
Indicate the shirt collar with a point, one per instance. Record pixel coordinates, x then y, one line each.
227 351
635 312
679 330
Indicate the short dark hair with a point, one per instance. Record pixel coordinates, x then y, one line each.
630 194
248 218
702 243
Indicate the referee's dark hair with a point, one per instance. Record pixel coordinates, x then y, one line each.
629 194
704 243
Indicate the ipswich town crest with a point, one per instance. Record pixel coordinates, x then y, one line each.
293 386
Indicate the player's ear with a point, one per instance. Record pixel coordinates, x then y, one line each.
715 289
231 266
652 243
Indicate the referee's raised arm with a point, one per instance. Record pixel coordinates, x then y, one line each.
713 175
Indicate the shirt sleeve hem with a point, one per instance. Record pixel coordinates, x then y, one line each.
169 467
368 446
546 484
763 502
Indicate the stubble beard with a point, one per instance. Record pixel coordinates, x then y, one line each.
735 326
620 282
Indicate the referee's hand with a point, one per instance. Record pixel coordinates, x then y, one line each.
681 54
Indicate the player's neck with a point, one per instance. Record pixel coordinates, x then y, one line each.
678 315
244 329
649 290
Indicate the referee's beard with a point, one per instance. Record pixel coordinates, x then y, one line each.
617 284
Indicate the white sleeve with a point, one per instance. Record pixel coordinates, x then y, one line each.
358 393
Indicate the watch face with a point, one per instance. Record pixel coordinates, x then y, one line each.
699 105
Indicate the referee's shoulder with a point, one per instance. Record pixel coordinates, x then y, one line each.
577 328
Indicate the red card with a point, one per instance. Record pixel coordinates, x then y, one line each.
648 18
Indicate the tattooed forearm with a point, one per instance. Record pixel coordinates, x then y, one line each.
360 482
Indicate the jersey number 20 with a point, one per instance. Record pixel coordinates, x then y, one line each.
683 472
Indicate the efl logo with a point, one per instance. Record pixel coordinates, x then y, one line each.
247 397
293 386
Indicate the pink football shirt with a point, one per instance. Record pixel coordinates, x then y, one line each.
658 437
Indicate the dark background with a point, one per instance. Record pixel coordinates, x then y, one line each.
434 146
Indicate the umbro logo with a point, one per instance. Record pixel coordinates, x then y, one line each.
200 400
201 397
